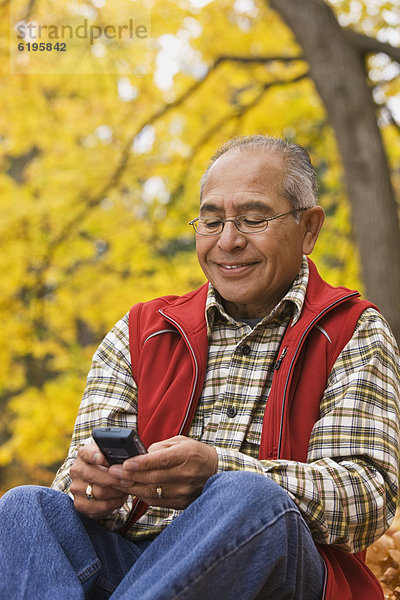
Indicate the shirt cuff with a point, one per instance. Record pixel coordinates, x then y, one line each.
232 460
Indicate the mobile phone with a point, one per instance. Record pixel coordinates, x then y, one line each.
118 443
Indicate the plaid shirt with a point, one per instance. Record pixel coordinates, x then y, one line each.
347 489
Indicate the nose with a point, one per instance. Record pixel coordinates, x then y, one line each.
231 238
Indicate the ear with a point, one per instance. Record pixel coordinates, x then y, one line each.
313 220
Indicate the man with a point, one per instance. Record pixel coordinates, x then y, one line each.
269 404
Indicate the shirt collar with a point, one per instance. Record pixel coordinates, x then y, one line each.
294 298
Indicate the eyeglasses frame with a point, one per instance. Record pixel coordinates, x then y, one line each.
234 220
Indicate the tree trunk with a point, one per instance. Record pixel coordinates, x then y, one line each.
339 74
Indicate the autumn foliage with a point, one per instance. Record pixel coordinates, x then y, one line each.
383 558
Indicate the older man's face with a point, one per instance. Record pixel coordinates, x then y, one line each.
252 272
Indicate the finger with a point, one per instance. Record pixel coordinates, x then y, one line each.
177 439
100 492
167 465
176 497
156 461
97 476
90 453
96 509
82 489
186 461
153 493
83 472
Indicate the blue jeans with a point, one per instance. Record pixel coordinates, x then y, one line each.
242 539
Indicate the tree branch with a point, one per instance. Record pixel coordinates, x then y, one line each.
115 177
236 114
369 45
255 59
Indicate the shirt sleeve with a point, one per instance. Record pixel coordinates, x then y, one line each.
110 398
347 490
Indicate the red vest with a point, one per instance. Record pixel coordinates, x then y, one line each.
169 346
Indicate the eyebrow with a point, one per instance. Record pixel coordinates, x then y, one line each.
251 205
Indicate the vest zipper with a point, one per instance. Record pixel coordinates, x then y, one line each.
305 332
196 377
134 509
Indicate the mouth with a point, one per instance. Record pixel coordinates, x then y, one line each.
235 267
238 266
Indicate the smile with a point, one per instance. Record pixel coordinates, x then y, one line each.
235 268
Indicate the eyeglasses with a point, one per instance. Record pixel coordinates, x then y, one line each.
244 223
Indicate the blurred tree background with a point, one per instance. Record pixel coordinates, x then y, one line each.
100 176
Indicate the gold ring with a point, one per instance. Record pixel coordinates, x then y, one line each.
89 492
159 492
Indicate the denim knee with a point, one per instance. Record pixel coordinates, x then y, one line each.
20 496
25 497
252 490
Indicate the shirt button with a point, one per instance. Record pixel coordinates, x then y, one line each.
245 350
231 412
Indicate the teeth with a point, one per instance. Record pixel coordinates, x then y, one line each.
234 266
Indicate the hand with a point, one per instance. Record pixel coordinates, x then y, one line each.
90 467
179 466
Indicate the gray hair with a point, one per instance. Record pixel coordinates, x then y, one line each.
299 182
